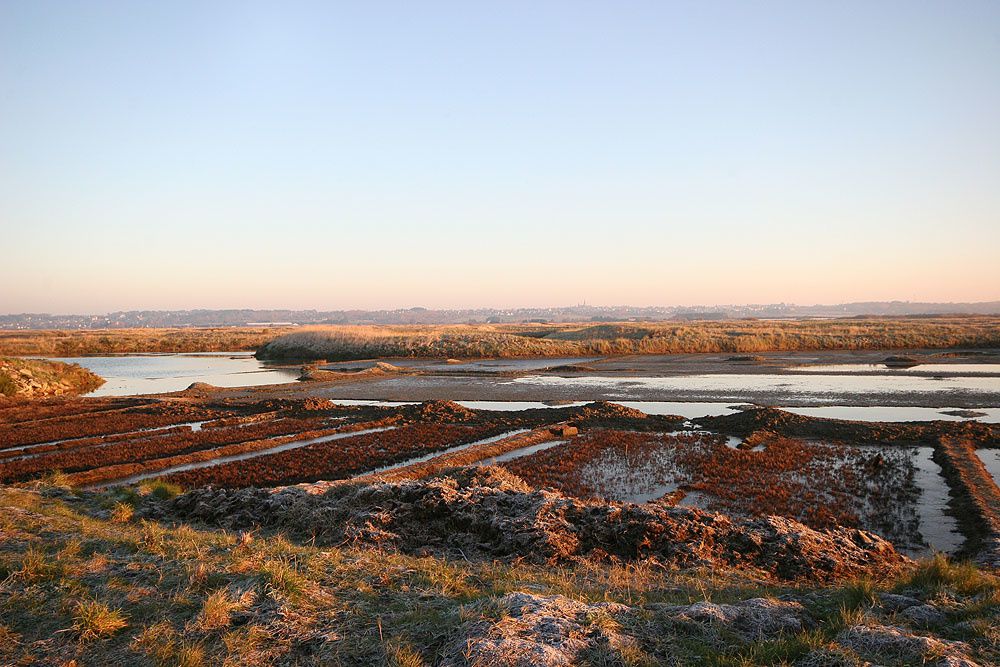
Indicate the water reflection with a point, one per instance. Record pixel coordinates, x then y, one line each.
733 386
940 369
129 375
991 459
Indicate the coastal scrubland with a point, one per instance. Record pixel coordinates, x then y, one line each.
567 340
349 342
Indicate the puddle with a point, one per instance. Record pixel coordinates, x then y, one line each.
940 530
688 410
894 414
898 492
695 499
943 369
734 386
508 406
991 459
639 478
696 409
518 453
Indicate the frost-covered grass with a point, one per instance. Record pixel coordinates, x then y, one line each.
81 581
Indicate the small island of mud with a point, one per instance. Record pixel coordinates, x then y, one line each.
29 378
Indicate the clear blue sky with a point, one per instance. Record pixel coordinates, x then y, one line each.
375 154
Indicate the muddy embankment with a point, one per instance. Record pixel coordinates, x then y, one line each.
978 500
487 513
31 378
760 419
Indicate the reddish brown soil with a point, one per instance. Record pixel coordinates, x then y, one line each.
336 459
487 513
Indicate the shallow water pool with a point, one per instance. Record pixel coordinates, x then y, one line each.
133 374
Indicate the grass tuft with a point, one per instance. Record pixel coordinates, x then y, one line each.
943 574
36 566
401 654
159 489
284 577
122 513
94 620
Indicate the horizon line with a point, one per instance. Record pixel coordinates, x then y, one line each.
699 307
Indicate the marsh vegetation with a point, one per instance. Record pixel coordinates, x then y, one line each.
573 340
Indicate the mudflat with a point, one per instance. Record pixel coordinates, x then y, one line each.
948 379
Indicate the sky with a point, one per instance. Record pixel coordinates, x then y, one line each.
336 155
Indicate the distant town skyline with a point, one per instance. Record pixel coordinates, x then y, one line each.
379 155
419 315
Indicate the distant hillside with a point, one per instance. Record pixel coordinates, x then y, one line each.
582 313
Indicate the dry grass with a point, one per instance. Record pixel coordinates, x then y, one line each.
94 620
218 607
82 342
738 336
520 340
77 587
121 513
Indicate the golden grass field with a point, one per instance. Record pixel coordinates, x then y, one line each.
520 340
82 342
559 340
